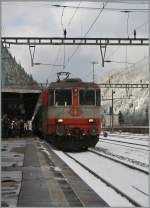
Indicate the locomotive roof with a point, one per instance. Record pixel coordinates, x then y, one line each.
69 83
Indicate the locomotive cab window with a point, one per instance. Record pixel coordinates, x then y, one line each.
87 97
63 97
51 98
98 98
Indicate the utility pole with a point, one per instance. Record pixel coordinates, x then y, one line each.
112 113
93 63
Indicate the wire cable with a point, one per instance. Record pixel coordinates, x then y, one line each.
93 23
62 17
137 28
64 58
126 53
69 23
63 32
107 9
128 15
76 8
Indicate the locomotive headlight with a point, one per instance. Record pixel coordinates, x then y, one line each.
60 120
92 131
91 120
60 131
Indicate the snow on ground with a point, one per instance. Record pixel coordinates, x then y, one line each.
124 154
128 134
99 187
131 182
125 149
129 138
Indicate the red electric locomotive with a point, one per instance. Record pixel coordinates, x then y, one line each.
69 114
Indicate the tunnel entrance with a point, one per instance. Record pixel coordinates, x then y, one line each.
19 103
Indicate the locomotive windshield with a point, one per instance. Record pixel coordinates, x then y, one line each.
51 98
98 98
89 97
63 97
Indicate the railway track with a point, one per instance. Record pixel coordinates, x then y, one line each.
116 189
109 141
143 145
132 136
75 190
110 157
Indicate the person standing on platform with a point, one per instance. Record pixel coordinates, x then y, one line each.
5 126
25 128
30 126
18 124
21 127
15 127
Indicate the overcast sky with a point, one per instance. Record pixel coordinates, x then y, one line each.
26 19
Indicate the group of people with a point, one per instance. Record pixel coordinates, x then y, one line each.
16 127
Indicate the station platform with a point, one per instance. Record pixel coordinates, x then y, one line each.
33 176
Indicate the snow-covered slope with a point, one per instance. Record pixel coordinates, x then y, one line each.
134 102
13 74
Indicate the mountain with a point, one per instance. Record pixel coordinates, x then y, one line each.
13 74
131 103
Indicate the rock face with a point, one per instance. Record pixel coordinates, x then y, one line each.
13 74
132 104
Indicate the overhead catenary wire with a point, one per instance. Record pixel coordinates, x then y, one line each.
126 53
56 60
72 15
62 25
47 6
107 9
64 28
93 23
136 28
76 8
62 18
128 15
142 25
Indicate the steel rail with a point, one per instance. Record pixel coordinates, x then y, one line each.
134 137
103 140
143 145
106 182
118 161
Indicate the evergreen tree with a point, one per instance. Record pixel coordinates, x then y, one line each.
146 116
120 117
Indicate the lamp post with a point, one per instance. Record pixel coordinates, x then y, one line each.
93 63
112 113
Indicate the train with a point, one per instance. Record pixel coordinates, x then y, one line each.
68 114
